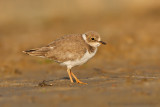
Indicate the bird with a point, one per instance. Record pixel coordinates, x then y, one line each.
70 50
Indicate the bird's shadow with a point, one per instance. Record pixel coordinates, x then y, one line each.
67 78
46 82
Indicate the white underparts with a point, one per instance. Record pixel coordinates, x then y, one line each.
81 61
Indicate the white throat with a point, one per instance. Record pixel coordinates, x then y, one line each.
95 44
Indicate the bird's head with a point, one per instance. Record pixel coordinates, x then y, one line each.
93 39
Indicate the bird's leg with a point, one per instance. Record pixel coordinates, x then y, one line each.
77 80
69 73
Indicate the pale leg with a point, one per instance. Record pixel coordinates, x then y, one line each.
77 80
69 73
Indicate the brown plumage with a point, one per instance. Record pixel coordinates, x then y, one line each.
70 50
69 47
38 51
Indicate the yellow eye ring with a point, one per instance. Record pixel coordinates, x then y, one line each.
92 38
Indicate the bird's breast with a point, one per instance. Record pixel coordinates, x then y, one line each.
80 61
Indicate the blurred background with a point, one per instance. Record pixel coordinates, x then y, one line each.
130 27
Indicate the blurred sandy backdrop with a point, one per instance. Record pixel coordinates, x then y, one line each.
131 28
128 66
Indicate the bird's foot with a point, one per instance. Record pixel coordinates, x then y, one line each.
80 82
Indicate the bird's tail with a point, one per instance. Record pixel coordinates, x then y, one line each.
40 52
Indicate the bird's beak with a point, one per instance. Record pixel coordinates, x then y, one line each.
101 42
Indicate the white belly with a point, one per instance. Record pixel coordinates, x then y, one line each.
81 61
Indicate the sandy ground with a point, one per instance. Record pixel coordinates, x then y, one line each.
124 73
111 86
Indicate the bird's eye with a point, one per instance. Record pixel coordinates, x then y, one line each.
92 38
